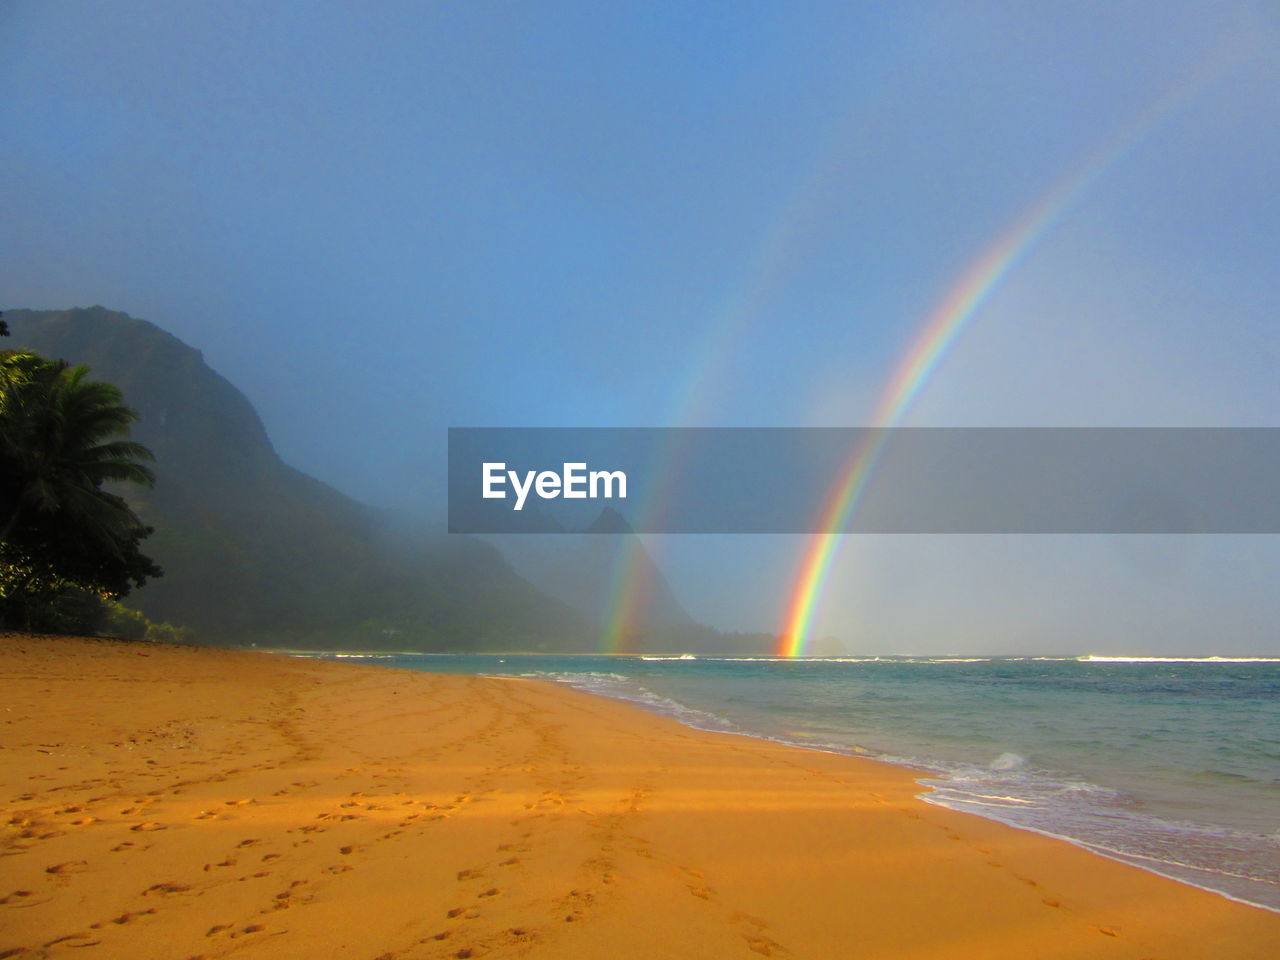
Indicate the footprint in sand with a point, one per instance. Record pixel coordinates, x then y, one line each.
129 917
762 945
68 867
86 937
168 887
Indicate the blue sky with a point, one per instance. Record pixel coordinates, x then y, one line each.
380 220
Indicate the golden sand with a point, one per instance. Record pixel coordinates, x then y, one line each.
171 803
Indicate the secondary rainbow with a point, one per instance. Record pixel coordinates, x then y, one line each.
709 364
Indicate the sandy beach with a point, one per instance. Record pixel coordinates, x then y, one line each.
179 803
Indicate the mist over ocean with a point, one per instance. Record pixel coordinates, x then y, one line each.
1170 765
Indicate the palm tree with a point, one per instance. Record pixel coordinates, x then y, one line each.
61 439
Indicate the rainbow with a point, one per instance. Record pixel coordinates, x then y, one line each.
943 326
709 364
627 591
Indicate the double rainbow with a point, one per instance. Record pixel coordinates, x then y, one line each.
942 327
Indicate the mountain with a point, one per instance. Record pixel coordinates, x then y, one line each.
607 575
600 573
256 551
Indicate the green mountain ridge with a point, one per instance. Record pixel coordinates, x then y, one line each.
256 551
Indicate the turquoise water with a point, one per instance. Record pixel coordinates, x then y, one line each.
1173 766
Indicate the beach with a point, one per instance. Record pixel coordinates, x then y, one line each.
174 802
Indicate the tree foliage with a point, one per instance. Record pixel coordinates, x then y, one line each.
63 538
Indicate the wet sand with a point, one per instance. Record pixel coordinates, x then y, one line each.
170 803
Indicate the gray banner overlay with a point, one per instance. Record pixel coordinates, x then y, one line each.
902 480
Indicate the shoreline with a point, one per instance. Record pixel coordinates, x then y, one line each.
935 778
922 773
167 799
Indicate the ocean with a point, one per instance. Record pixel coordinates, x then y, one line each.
1172 765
